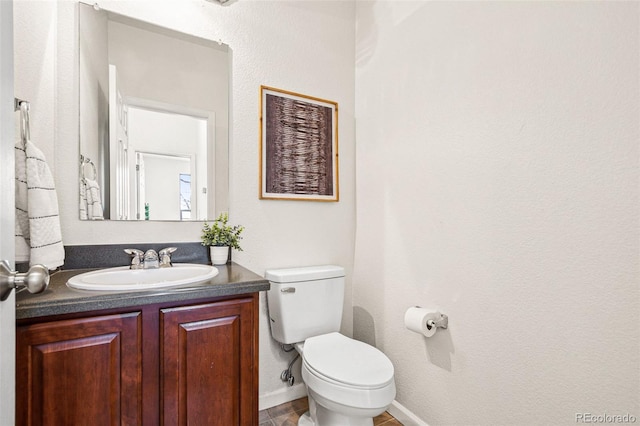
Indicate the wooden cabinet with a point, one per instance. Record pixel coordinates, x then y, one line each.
207 364
192 364
73 370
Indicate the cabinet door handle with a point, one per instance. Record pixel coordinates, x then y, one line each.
35 281
288 290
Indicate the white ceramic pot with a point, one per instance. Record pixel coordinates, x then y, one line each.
219 254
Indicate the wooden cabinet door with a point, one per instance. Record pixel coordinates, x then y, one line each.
80 371
209 364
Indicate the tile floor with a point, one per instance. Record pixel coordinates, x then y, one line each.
287 414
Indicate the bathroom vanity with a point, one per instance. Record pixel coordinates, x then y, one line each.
182 355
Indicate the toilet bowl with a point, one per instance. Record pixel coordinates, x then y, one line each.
348 382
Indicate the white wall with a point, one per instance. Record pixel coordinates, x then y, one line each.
162 189
7 211
34 79
94 69
305 47
497 169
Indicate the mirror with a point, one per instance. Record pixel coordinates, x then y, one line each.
154 112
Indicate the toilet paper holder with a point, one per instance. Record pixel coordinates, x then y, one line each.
443 322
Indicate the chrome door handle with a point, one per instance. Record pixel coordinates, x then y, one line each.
35 280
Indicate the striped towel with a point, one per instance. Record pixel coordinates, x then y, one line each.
90 201
38 235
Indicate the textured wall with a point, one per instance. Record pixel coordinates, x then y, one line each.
304 47
497 169
7 206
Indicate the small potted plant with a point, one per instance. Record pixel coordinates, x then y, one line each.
221 237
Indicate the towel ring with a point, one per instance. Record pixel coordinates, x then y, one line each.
84 161
25 130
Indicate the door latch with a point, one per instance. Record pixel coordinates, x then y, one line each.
35 280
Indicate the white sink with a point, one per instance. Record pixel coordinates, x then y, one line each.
123 278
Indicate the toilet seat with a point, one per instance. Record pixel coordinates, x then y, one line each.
347 362
340 397
347 373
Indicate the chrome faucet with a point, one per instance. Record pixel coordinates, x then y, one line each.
150 259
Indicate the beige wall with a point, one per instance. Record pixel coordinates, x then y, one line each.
497 169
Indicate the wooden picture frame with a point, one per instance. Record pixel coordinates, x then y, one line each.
298 146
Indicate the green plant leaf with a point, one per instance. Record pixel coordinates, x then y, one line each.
220 233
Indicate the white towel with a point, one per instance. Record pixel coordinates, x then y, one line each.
90 201
38 235
83 200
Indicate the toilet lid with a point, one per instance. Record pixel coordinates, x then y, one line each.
347 361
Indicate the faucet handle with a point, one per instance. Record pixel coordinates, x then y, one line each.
165 256
136 258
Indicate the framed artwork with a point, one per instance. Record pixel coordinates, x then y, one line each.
298 146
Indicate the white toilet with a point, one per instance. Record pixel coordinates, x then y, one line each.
348 382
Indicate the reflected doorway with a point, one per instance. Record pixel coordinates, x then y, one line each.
170 164
170 196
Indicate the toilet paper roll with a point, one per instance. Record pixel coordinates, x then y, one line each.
415 319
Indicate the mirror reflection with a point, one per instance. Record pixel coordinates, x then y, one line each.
153 121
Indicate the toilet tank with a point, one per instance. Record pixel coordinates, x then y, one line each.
305 302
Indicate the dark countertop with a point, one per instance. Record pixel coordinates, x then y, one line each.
59 299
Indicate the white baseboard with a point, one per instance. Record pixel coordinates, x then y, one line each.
404 415
281 396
